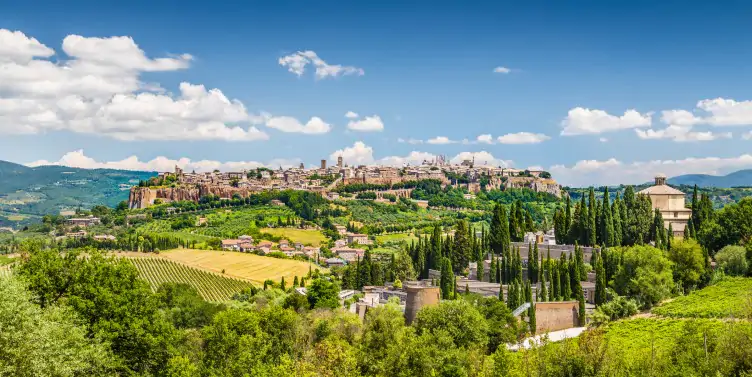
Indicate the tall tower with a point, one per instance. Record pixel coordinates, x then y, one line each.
339 162
323 164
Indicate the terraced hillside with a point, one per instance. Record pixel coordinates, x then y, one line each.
211 286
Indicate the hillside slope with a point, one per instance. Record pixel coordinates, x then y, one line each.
48 189
735 179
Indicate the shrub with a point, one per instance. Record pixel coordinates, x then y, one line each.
733 260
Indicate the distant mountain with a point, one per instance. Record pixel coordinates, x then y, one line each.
735 179
30 192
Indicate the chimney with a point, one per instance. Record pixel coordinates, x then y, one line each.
660 180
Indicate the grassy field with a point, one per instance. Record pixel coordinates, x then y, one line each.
240 265
211 286
4 259
640 339
305 236
731 297
396 238
4 271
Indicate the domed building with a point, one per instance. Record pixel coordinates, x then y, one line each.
670 202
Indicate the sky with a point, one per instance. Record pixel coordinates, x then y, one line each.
594 92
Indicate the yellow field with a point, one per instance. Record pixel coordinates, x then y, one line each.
304 236
240 265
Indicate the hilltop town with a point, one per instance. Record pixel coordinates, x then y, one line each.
327 179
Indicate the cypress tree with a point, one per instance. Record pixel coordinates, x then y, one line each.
600 282
568 219
504 268
543 292
531 318
582 317
566 288
492 270
616 219
555 283
498 272
532 264
447 282
592 236
669 236
302 282
282 283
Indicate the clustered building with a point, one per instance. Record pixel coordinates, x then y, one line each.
326 178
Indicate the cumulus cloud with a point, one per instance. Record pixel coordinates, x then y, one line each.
367 124
582 121
681 134
747 136
523 138
612 171
96 89
503 70
315 125
485 139
78 159
297 62
440 140
351 115
361 154
481 158
410 141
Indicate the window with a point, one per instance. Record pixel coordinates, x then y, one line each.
676 214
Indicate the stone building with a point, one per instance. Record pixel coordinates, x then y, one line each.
670 202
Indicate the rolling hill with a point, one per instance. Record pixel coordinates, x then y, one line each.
735 179
26 193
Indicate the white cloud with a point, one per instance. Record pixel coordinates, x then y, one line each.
681 118
351 115
410 141
297 62
315 125
503 70
612 171
603 140
747 136
440 140
413 158
523 138
361 154
481 158
726 112
78 159
485 139
96 89
367 124
581 121
16 46
358 154
681 134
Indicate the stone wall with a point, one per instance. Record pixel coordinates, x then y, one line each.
552 316
142 197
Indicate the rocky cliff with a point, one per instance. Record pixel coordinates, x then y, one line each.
142 197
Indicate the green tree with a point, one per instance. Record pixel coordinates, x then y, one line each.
645 275
689 263
457 318
45 342
447 282
323 293
462 246
600 280
732 259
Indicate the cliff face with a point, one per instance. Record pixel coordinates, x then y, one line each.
142 197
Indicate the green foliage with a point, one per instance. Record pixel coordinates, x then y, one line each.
110 299
688 262
323 293
184 306
457 318
619 307
47 341
645 275
733 260
728 298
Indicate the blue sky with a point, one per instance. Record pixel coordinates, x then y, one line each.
425 69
